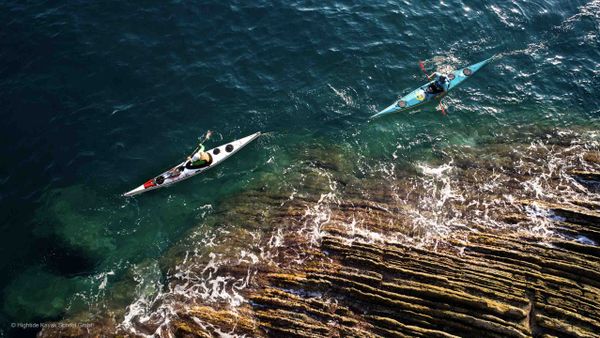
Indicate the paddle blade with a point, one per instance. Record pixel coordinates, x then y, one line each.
443 109
422 66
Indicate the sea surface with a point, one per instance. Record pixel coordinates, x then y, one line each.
98 97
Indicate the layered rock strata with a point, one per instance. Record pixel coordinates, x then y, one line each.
346 259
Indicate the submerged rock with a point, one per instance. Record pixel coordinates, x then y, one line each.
498 243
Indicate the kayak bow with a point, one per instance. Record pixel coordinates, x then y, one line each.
185 170
420 95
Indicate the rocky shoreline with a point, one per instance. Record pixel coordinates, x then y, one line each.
481 247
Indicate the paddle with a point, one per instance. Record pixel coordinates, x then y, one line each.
422 66
206 137
442 106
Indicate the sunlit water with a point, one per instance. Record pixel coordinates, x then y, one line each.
98 98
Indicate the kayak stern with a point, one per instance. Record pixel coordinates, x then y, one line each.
135 191
391 109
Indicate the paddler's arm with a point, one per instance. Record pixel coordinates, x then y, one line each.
434 74
201 145
199 148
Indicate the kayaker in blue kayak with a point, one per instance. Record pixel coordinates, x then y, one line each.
199 157
438 85
433 89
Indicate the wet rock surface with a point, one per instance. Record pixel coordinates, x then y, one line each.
500 243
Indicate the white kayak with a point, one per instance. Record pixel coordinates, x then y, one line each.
185 170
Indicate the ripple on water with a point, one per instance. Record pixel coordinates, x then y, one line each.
99 98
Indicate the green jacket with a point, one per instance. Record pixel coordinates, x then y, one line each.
198 150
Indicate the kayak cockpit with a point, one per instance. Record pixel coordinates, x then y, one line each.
190 166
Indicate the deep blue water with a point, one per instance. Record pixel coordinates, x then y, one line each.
96 97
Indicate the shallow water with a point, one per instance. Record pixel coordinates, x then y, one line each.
97 98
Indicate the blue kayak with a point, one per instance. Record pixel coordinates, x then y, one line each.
423 94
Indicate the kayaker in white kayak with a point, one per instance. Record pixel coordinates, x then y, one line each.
200 158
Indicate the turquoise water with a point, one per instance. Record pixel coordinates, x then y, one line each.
99 97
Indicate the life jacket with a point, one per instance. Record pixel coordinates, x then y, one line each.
440 82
